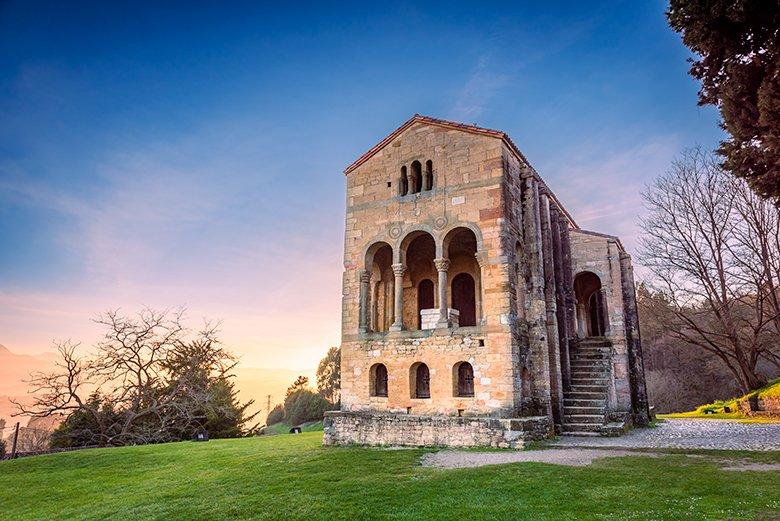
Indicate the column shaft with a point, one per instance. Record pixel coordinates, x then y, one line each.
398 271
442 266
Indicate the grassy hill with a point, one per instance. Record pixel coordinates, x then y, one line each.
729 410
294 477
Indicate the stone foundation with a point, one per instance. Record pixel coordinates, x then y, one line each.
356 428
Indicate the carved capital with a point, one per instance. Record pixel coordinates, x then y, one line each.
399 270
365 276
441 264
482 258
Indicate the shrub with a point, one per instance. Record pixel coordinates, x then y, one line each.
2 447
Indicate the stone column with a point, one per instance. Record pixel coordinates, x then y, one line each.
482 260
398 323
442 266
605 312
553 346
560 298
536 312
636 370
365 285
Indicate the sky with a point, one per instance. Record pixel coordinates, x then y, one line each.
163 154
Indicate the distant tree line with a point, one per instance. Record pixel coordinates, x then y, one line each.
301 403
149 380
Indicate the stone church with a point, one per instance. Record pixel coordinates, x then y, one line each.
476 312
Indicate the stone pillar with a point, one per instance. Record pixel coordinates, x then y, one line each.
560 298
536 312
568 284
636 371
365 285
442 265
398 323
605 312
482 260
556 381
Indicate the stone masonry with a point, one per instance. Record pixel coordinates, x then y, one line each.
472 301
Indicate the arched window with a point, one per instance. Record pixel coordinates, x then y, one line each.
419 381
424 299
378 380
403 186
464 299
416 180
428 175
464 379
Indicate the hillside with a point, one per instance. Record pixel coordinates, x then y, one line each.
294 477
733 409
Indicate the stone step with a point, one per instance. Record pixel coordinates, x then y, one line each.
588 374
586 395
590 382
569 410
576 402
583 418
584 388
580 433
581 427
589 363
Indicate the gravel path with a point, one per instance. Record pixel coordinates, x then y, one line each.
453 459
688 434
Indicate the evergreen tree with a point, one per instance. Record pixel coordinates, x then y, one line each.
738 48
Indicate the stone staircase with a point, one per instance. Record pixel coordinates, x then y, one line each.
584 404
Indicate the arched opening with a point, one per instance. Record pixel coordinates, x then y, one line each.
379 301
418 251
425 299
378 380
590 305
419 381
464 299
463 379
403 185
416 178
428 175
460 246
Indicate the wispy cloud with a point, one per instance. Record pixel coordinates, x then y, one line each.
484 82
600 183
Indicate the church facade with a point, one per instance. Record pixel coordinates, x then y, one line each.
475 310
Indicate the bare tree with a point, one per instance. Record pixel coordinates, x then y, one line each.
708 242
127 391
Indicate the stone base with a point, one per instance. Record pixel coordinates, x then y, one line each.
361 428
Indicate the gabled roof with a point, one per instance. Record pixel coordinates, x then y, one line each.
417 118
474 129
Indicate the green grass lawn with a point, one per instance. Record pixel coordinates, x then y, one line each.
294 477
284 428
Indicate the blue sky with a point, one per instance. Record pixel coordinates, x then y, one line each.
193 153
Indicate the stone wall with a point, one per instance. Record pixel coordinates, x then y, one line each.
351 428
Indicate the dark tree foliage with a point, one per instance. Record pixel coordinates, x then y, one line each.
276 415
305 405
155 381
329 375
299 384
738 48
